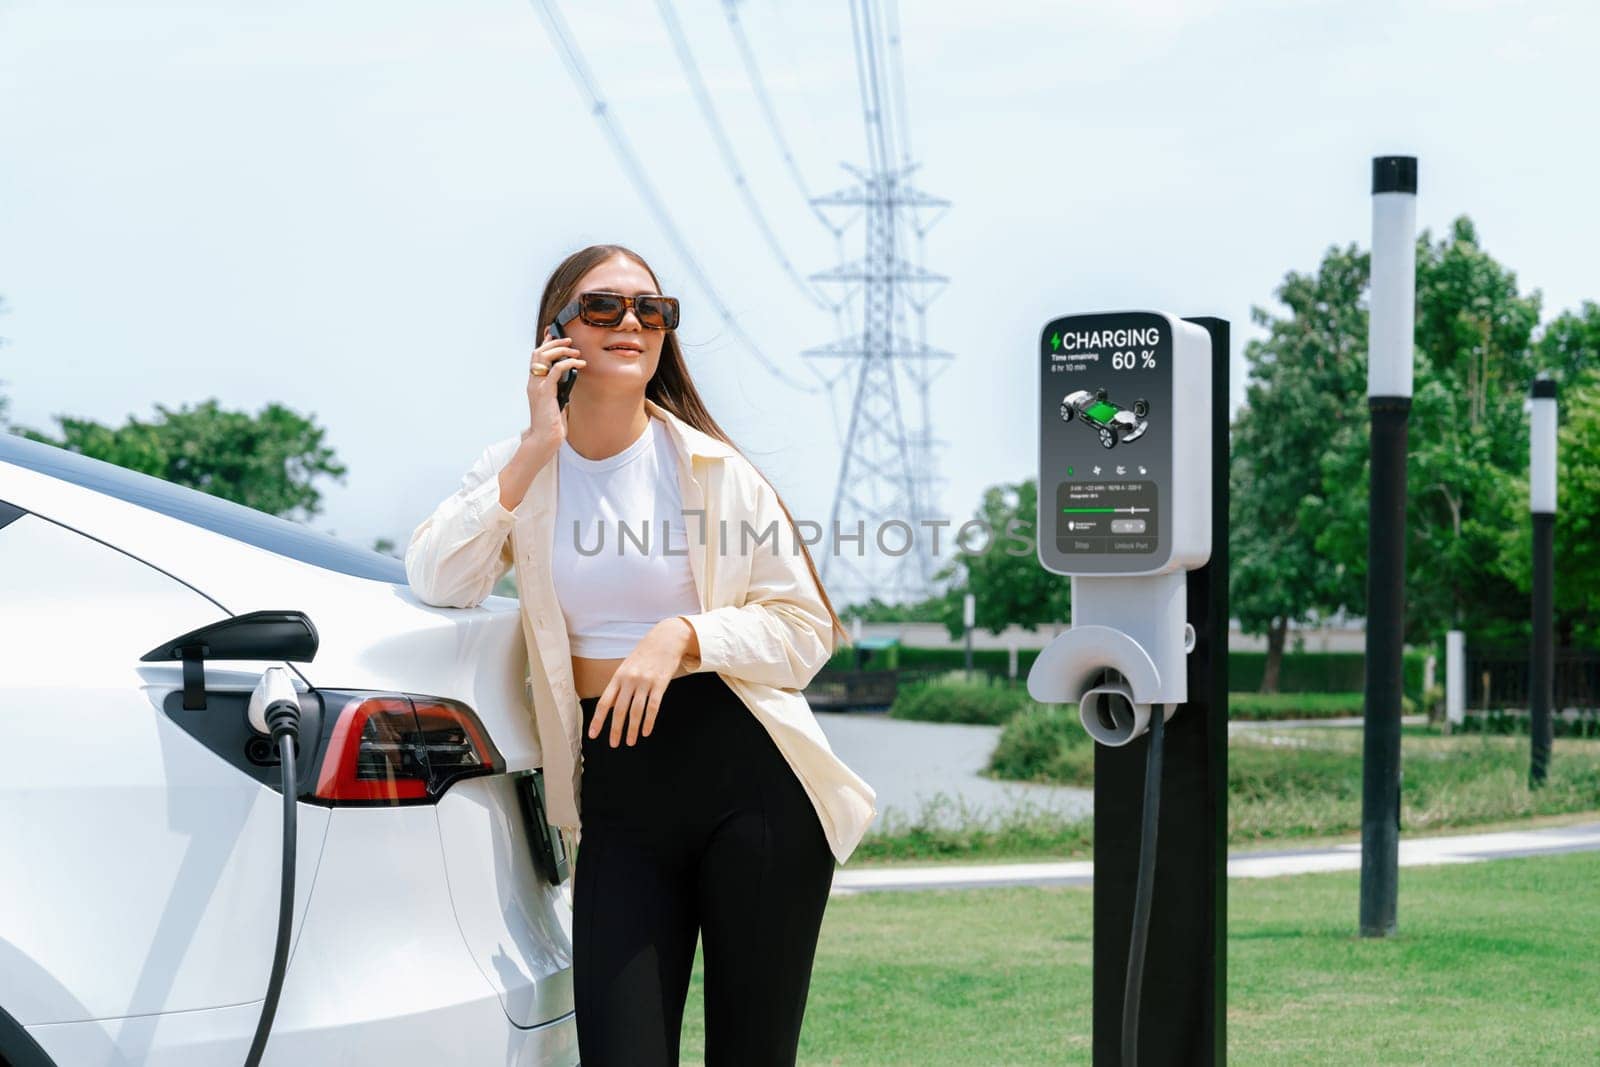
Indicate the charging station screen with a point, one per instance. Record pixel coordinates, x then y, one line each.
1105 443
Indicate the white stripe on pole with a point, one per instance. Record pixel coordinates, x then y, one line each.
1542 457
1455 677
1394 271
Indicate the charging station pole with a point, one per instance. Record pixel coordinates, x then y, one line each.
1137 459
1185 971
1542 502
1390 333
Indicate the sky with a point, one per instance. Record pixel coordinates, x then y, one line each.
351 207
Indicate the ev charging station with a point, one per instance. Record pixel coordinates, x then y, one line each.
1133 506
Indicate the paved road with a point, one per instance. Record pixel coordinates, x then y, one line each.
1417 852
911 764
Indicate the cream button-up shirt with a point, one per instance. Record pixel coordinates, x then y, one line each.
763 626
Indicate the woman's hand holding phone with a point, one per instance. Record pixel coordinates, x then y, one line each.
546 426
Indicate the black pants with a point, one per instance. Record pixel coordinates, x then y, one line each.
701 827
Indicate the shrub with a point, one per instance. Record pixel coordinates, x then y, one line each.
1293 705
1319 672
1044 743
1502 723
1300 672
1266 706
946 827
994 661
1047 743
951 699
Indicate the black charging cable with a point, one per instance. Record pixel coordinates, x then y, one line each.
1143 891
283 720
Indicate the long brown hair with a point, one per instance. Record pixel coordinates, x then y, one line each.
671 386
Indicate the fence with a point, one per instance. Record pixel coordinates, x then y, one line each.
843 690
1498 682
1498 678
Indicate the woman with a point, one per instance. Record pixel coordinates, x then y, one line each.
666 671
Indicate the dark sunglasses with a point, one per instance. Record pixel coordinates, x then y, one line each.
607 309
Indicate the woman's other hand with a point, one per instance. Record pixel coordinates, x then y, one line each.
633 695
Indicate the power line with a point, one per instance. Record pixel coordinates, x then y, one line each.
887 471
572 58
897 62
730 159
867 81
758 85
842 308
921 372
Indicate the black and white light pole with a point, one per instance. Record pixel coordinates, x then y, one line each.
1390 334
1542 502
969 618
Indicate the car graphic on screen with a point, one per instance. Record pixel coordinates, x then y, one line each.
1114 423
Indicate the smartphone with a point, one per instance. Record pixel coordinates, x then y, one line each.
564 387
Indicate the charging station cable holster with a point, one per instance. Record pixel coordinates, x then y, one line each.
1137 629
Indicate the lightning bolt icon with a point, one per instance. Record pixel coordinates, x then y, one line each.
1055 341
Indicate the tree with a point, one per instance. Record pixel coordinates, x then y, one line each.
1306 381
1570 350
1577 548
1301 447
1577 535
267 461
874 609
1570 345
1008 582
1467 440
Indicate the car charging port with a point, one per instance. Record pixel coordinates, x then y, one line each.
260 751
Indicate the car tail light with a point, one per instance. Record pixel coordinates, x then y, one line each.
386 748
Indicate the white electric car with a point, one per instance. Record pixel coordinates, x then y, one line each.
141 834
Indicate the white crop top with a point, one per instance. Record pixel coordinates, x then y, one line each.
614 577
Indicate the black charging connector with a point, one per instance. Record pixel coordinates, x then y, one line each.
1144 890
283 721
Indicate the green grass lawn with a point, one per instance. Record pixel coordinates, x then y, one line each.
1284 786
1495 963
1299 783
